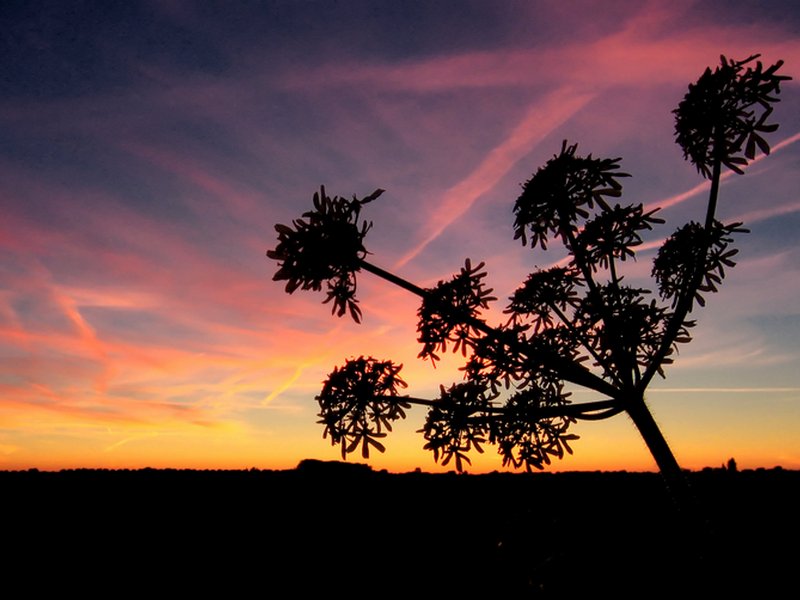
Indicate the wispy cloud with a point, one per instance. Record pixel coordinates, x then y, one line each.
540 121
703 188
128 440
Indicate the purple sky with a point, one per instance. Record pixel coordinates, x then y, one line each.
148 148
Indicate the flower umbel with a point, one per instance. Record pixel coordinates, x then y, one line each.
726 109
561 193
526 438
325 246
359 401
451 310
458 422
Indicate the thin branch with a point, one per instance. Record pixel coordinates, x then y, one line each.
580 258
392 278
716 175
611 412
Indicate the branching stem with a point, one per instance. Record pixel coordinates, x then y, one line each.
572 372
687 299
623 372
585 343
599 409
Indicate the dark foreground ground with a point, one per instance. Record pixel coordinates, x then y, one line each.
346 531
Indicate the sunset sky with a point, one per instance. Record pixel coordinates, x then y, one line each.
148 148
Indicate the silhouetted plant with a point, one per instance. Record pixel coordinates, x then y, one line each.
577 323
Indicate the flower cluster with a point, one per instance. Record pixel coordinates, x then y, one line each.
559 194
614 233
359 401
449 311
458 422
544 292
622 326
526 435
694 252
726 110
496 358
325 246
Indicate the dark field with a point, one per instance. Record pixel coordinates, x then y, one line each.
346 531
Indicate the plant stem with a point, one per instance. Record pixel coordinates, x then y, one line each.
618 355
668 465
585 343
685 303
713 193
570 371
392 278
584 410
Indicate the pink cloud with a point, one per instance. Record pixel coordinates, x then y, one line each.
648 50
540 120
646 53
232 199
